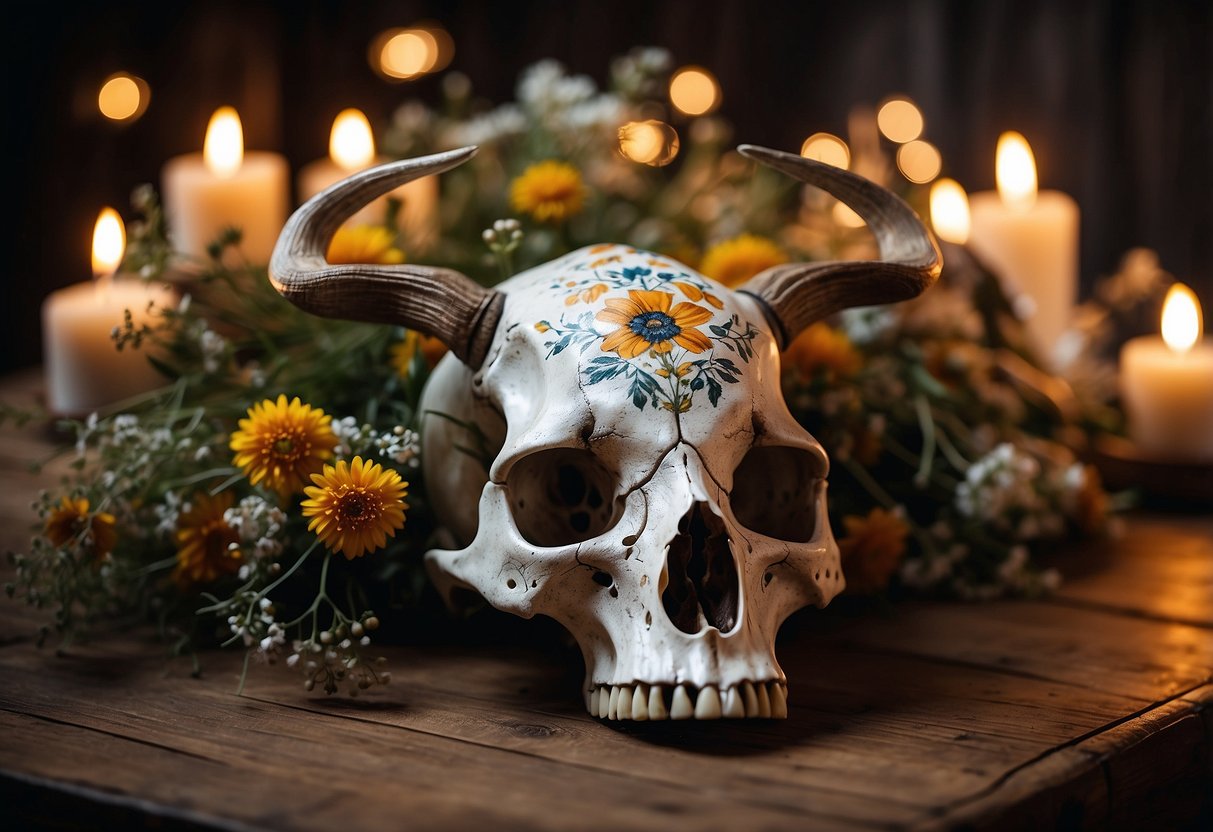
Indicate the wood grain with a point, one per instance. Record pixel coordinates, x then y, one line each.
1089 709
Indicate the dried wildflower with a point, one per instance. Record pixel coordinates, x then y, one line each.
207 545
735 261
71 521
355 507
872 549
549 191
280 444
364 244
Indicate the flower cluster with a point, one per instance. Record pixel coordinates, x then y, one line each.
259 498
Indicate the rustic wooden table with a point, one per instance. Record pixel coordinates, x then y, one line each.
1090 708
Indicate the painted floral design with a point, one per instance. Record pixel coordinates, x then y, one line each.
646 322
666 351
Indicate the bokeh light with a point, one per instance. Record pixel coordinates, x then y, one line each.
899 120
123 97
405 54
828 148
649 142
845 216
694 91
919 161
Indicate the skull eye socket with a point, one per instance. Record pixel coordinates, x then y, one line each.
561 496
775 492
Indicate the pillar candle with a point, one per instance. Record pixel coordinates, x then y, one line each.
85 370
224 186
1167 385
351 149
1030 239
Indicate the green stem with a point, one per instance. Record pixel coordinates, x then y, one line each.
927 425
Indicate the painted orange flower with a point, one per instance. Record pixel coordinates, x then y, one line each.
647 322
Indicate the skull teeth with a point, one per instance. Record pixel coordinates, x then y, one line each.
642 702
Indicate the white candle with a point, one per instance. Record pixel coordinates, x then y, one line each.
1167 384
85 371
351 149
1030 240
223 187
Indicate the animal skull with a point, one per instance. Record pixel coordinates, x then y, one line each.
648 487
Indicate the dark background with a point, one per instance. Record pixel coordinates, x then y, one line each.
1115 97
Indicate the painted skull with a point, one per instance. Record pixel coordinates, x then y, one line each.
608 444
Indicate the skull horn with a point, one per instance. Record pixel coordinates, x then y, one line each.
440 302
797 294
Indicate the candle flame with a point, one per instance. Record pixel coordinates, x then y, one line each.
223 150
1015 171
1181 324
351 144
109 243
950 211
828 148
694 91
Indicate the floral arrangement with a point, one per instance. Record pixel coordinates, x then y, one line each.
270 495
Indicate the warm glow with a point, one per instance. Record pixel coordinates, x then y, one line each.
351 144
1181 324
109 243
919 161
845 216
900 120
694 91
950 211
223 149
403 54
649 142
1015 171
828 148
123 97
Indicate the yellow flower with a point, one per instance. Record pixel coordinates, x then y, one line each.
71 521
364 244
735 261
283 444
646 322
356 507
822 347
549 191
871 549
401 353
203 540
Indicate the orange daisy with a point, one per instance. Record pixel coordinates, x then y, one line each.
646 322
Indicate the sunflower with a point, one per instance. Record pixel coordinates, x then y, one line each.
549 191
282 444
364 244
735 261
822 348
71 519
646 322
204 540
355 507
872 548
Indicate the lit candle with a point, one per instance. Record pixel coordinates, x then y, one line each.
226 187
950 211
1167 384
1030 239
351 149
85 371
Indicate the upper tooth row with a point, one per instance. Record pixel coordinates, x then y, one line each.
767 700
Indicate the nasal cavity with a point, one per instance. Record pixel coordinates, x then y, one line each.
702 586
